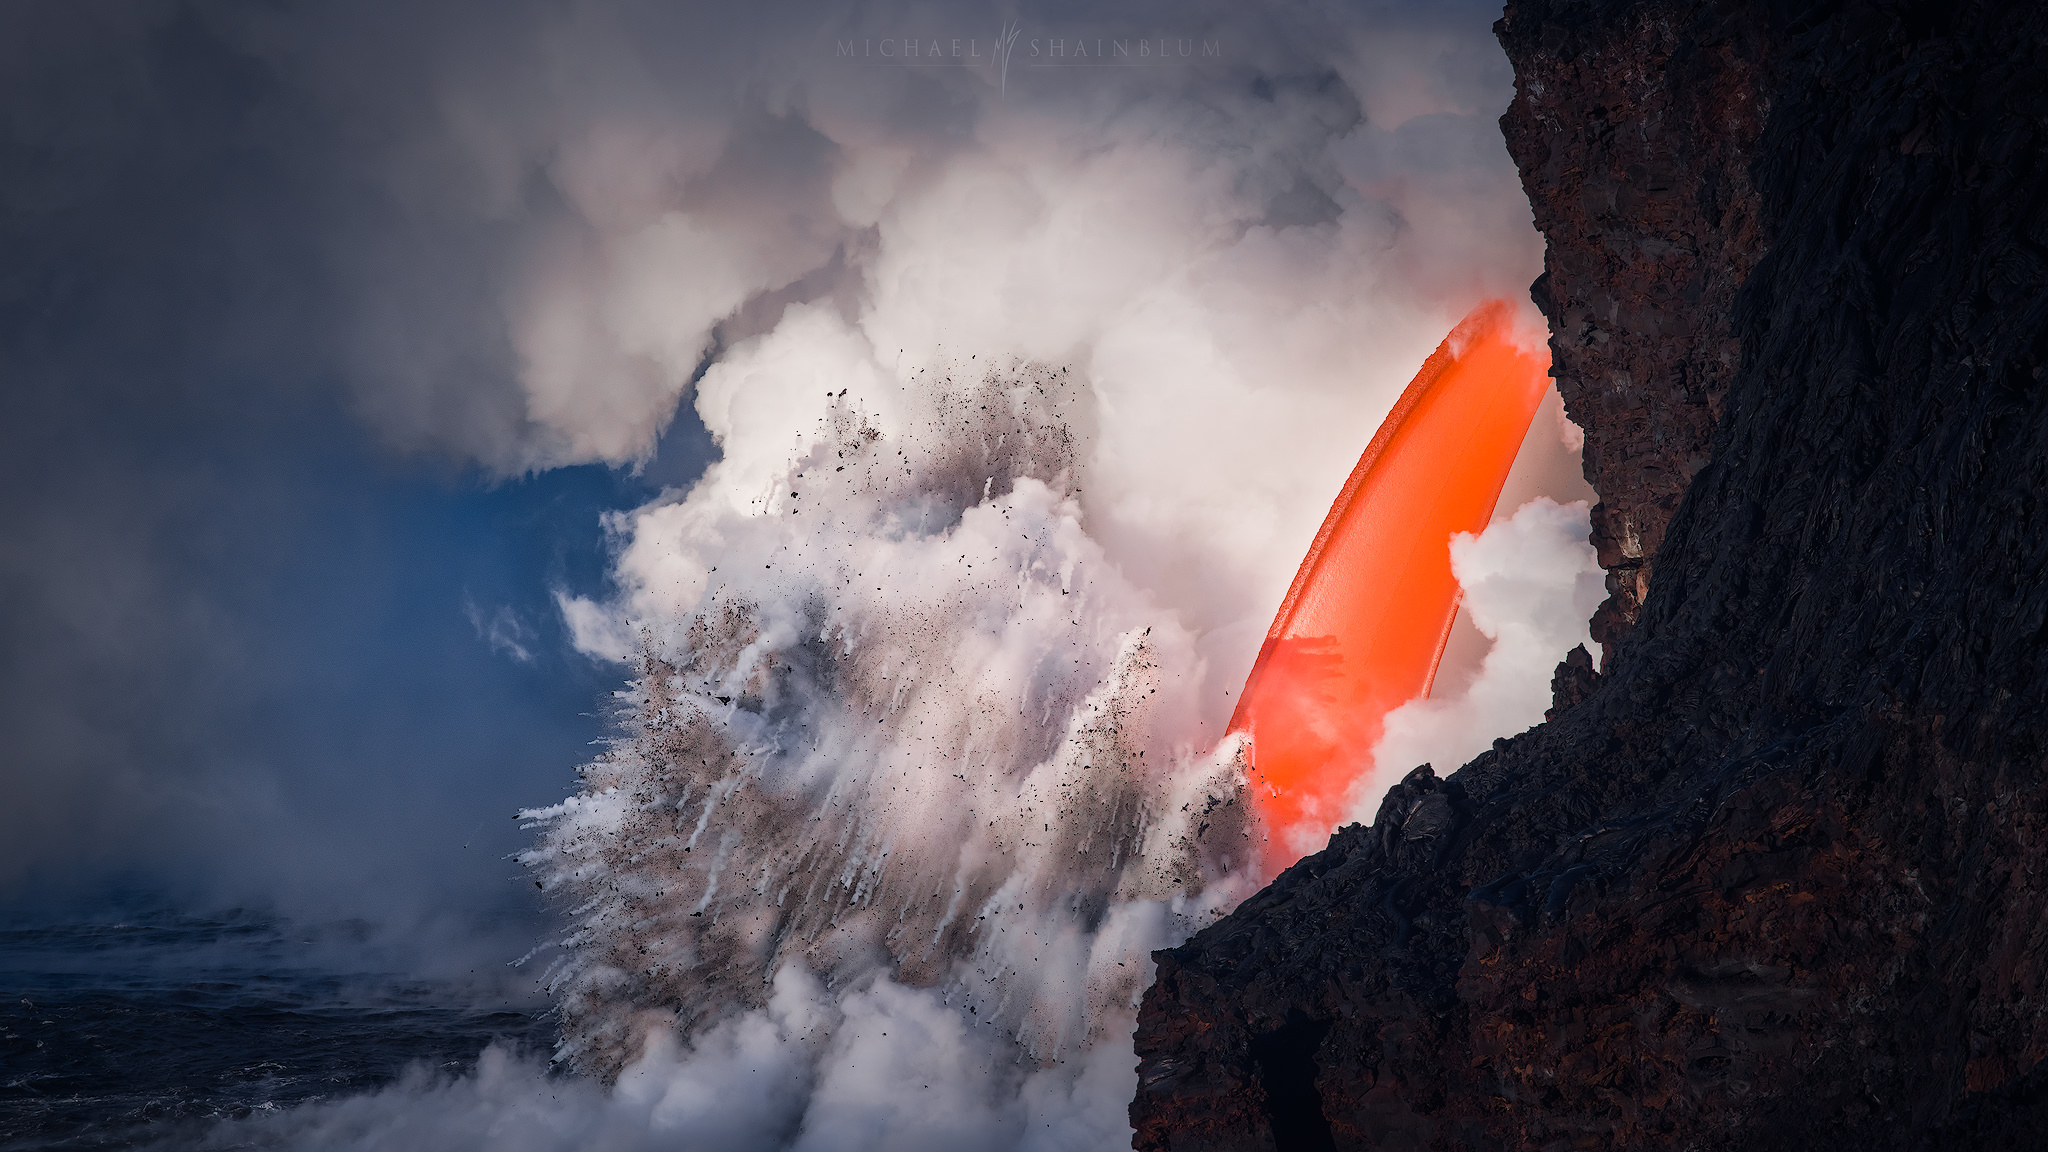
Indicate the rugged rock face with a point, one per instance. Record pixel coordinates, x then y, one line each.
1777 881
1634 131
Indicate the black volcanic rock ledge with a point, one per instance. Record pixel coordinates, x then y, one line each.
1780 879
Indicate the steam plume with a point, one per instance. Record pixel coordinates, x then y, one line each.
912 721
1029 395
934 664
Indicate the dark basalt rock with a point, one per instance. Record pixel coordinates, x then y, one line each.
1779 879
1572 682
1634 128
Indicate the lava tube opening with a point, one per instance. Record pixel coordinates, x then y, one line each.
1364 623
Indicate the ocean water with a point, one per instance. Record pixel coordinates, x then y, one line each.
148 1029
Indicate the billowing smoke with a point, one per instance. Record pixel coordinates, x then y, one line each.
1031 383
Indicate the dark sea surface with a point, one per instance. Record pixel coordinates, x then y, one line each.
153 1027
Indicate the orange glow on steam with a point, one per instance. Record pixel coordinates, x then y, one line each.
1365 623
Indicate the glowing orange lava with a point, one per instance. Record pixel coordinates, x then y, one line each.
1365 622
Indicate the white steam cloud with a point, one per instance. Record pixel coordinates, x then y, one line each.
879 1069
1531 583
616 192
1029 399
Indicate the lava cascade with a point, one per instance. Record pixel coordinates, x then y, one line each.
1365 621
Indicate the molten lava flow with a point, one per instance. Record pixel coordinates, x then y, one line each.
1365 622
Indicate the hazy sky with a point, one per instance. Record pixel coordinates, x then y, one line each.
329 332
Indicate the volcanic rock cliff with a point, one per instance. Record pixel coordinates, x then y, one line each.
1634 132
1778 878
